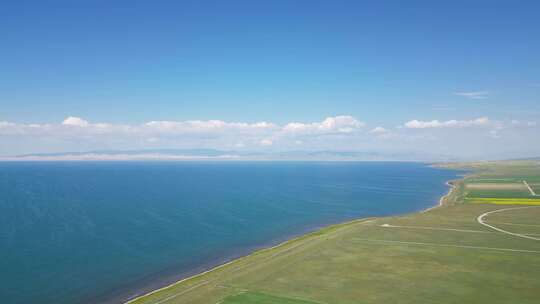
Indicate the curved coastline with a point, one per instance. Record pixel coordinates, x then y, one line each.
442 201
451 184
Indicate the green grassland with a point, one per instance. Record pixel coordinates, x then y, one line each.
261 298
443 255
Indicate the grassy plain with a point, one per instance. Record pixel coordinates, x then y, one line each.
261 298
443 255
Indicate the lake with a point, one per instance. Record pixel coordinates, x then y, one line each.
87 232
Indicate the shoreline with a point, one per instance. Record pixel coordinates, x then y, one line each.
441 202
451 184
260 249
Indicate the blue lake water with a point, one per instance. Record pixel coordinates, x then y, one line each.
87 232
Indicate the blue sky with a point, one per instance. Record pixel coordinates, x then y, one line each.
384 63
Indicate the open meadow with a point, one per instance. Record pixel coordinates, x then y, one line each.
481 246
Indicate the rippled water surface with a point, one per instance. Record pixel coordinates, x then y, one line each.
80 232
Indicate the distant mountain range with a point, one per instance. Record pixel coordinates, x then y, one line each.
212 154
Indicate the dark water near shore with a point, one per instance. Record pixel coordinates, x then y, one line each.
79 232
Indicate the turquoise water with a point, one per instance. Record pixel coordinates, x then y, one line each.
80 232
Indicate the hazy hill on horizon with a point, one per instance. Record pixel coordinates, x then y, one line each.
216 154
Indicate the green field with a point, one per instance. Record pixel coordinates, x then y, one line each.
444 255
505 182
504 201
498 194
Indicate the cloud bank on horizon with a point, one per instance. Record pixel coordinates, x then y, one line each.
469 138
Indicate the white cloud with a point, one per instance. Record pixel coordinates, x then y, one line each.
518 123
75 121
75 130
6 124
266 142
418 124
381 132
494 133
378 130
337 124
473 95
332 133
198 126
